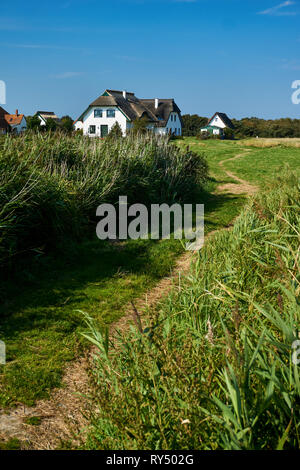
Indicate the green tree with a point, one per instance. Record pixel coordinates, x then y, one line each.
33 122
51 125
140 126
192 124
115 132
66 124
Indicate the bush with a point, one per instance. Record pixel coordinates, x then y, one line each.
51 184
115 132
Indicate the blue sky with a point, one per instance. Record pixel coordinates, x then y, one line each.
233 56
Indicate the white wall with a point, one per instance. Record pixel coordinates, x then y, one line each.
217 122
43 122
173 125
90 120
78 125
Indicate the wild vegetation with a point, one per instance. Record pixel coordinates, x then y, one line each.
199 341
51 185
212 366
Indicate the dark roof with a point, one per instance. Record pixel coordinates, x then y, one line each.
135 108
4 124
49 113
2 112
165 108
224 118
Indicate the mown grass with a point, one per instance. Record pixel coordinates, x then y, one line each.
211 367
262 159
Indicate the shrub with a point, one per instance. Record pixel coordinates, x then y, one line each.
51 184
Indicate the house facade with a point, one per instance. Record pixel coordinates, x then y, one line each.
15 123
217 124
163 115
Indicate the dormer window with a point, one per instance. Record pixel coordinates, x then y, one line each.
174 117
98 113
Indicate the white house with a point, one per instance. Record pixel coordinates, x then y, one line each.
163 115
217 124
15 123
45 115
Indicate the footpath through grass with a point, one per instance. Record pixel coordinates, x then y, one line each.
214 366
40 322
262 160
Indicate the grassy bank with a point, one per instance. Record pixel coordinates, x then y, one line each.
212 367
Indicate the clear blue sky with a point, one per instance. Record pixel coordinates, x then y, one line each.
235 56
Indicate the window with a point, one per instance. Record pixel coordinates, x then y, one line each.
92 130
175 117
98 113
171 117
110 113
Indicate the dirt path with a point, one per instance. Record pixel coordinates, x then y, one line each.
242 186
64 412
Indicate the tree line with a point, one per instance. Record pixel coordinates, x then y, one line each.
247 127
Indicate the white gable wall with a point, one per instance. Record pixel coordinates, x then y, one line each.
78 125
173 126
217 121
90 120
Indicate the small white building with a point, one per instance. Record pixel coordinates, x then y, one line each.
45 115
163 115
217 124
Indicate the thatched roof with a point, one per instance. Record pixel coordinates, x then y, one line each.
135 108
224 118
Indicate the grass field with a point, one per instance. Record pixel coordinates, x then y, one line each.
211 367
263 158
101 279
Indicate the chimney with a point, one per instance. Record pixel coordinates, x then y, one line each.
17 112
156 103
125 94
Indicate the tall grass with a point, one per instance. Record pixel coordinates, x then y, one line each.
51 184
269 143
211 367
